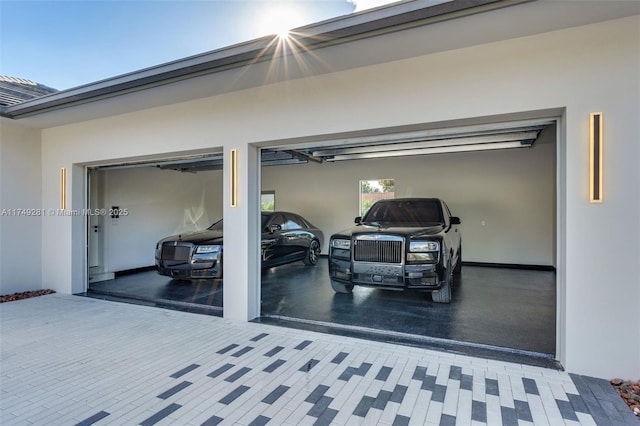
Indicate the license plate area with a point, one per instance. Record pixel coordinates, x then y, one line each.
378 274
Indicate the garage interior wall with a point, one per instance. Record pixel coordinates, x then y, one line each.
505 199
159 203
20 231
577 70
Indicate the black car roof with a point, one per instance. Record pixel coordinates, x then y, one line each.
278 212
391 200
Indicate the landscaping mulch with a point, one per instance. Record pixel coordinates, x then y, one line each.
630 392
24 295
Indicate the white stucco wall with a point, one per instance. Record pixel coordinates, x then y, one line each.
20 234
159 203
583 69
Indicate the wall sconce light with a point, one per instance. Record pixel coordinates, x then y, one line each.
63 188
595 157
234 178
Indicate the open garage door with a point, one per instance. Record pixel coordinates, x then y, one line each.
499 178
136 205
151 211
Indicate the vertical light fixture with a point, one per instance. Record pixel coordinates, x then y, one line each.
595 157
234 178
63 188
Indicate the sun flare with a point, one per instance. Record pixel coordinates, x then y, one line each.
279 20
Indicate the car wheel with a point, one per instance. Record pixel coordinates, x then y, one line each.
311 258
444 294
341 288
458 269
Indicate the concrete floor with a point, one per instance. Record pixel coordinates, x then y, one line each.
493 310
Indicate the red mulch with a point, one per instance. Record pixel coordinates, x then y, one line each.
24 295
630 392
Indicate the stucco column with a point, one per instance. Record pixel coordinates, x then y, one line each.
241 233
63 230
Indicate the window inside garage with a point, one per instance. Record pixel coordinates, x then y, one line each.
374 190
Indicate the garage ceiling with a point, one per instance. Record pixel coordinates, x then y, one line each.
374 144
514 135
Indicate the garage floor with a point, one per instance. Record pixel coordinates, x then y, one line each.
492 308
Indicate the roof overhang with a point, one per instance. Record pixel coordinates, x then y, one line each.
212 73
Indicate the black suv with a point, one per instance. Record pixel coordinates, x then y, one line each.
405 243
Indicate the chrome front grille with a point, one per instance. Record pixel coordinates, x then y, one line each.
382 249
171 251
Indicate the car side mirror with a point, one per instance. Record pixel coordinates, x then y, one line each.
455 220
358 219
274 227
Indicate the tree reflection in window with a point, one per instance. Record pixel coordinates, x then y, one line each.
374 190
268 201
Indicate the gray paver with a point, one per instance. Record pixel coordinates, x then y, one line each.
83 361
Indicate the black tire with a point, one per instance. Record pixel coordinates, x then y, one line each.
458 269
341 288
444 294
311 257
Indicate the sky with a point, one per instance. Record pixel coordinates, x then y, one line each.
69 43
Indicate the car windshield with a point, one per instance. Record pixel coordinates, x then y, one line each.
404 213
216 226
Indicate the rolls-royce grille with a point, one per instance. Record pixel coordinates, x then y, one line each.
378 251
171 252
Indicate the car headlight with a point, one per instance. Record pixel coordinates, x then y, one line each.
340 243
424 246
421 257
207 249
